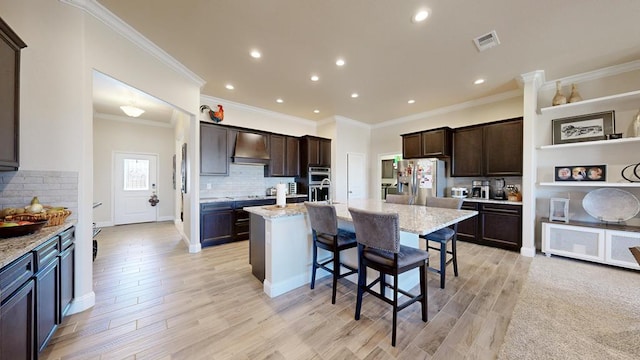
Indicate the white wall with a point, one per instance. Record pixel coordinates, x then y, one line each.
116 136
350 137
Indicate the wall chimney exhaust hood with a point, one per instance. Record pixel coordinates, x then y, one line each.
251 149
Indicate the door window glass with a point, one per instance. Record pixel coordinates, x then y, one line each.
136 174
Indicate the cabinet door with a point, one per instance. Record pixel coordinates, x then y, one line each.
501 226
214 155
617 246
325 152
17 327
573 241
467 152
47 302
67 279
292 165
216 223
277 152
436 143
503 149
468 229
313 149
411 146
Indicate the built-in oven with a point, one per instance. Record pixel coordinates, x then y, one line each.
317 174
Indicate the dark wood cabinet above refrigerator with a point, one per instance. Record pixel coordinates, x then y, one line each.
427 144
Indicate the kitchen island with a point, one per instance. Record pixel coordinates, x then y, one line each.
281 242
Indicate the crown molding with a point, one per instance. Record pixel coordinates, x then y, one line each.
135 121
450 109
93 8
211 100
595 74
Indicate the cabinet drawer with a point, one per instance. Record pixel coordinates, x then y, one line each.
501 208
46 253
617 246
223 205
573 241
67 238
15 274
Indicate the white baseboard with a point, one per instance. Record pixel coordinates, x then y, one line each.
528 252
82 303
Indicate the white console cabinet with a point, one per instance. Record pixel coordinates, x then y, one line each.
606 244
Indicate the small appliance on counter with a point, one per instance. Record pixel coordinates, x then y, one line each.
485 189
271 191
498 189
476 189
293 188
459 192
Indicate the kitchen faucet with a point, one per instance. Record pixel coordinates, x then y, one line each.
328 199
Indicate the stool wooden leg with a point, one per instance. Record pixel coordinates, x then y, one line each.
395 309
423 291
362 278
336 272
443 263
455 257
314 266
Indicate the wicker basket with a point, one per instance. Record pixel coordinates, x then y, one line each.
57 218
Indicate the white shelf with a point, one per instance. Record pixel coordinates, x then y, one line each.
590 143
590 184
610 100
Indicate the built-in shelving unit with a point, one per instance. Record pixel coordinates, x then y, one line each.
590 143
590 184
612 100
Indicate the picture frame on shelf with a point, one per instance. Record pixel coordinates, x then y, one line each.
559 209
581 173
590 127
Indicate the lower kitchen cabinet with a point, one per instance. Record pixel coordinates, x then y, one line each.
67 265
17 310
496 225
47 266
216 223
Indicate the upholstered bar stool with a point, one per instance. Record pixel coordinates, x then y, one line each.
443 237
378 236
327 236
398 199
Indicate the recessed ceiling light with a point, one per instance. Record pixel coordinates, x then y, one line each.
411 101
420 16
256 54
314 78
479 81
354 95
229 87
279 101
316 111
340 62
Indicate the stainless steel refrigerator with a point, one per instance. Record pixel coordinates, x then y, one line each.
421 178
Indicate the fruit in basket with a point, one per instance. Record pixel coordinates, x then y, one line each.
8 224
34 208
35 201
7 212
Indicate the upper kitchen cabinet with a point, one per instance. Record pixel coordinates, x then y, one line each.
503 148
284 152
314 151
9 98
493 149
427 144
214 150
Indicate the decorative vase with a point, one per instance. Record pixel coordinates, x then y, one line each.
575 95
635 125
558 99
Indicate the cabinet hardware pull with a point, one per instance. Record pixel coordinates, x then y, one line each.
501 210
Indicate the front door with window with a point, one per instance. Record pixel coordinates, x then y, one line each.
135 181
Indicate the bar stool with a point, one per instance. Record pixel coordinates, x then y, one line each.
378 237
443 237
398 199
326 235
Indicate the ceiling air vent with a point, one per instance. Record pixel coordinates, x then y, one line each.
486 41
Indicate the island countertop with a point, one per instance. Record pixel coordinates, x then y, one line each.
416 219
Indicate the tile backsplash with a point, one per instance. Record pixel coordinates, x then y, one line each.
59 188
243 180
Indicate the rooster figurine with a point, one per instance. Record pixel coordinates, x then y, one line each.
216 116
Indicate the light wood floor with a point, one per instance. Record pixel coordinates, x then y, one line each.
154 300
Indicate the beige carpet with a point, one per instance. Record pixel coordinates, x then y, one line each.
571 309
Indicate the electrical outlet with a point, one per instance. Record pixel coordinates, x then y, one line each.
208 186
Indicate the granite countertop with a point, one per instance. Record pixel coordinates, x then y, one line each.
205 200
415 219
13 248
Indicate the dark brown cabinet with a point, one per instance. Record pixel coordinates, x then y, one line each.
314 151
67 264
496 225
493 149
47 266
214 150
427 144
17 309
10 45
284 153
216 223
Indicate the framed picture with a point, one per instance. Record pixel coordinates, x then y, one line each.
183 169
559 209
584 128
581 173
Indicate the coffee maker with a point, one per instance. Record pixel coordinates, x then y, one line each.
476 188
498 189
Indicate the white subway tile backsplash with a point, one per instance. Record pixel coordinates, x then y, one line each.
243 180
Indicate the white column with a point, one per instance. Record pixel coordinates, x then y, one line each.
532 82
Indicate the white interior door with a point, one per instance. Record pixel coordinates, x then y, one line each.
135 181
356 177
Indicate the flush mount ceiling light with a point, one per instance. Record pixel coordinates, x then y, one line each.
314 78
411 101
340 62
229 87
420 16
279 101
316 111
131 110
478 82
354 95
256 54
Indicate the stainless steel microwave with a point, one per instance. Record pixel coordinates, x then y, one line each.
317 174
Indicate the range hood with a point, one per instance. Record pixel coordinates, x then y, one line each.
251 149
